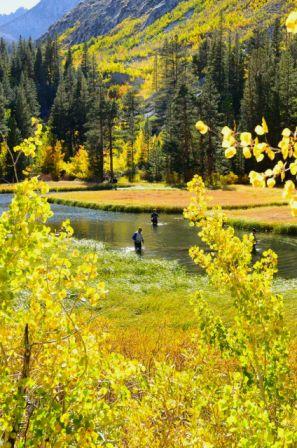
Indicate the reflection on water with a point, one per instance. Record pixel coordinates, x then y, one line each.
170 240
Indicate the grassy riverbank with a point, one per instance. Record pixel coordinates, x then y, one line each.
246 207
148 301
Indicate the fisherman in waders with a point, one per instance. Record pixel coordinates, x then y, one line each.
155 218
138 240
254 234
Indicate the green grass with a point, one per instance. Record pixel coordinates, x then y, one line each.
151 294
114 207
246 224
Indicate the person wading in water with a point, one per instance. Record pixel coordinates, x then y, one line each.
138 240
155 218
254 234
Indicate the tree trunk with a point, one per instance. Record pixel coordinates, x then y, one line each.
111 153
19 412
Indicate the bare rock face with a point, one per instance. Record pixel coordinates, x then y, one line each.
92 18
36 21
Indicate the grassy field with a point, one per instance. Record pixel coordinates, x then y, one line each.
276 219
240 196
272 215
148 301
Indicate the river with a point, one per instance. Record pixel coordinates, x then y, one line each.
171 240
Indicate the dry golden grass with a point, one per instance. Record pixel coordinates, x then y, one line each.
238 196
65 184
269 215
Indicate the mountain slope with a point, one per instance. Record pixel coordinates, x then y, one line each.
38 19
123 35
127 36
95 18
6 18
99 17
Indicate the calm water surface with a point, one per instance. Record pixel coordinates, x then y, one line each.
171 240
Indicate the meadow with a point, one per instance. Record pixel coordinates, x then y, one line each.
239 196
148 311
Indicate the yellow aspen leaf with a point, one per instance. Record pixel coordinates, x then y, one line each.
202 127
270 153
293 168
258 149
246 139
291 23
289 189
226 131
259 130
230 152
260 158
264 126
286 132
271 182
257 179
247 152
229 141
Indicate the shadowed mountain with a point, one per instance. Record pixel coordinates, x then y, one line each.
7 18
36 21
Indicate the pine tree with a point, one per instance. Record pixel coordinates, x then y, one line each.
85 63
68 63
172 73
200 60
208 105
130 120
79 106
112 113
180 141
21 112
3 124
287 90
96 130
28 86
50 73
236 77
258 90
156 73
60 114
216 64
4 64
156 160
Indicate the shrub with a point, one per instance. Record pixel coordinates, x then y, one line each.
79 166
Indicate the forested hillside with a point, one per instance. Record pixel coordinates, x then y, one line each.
128 34
105 117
